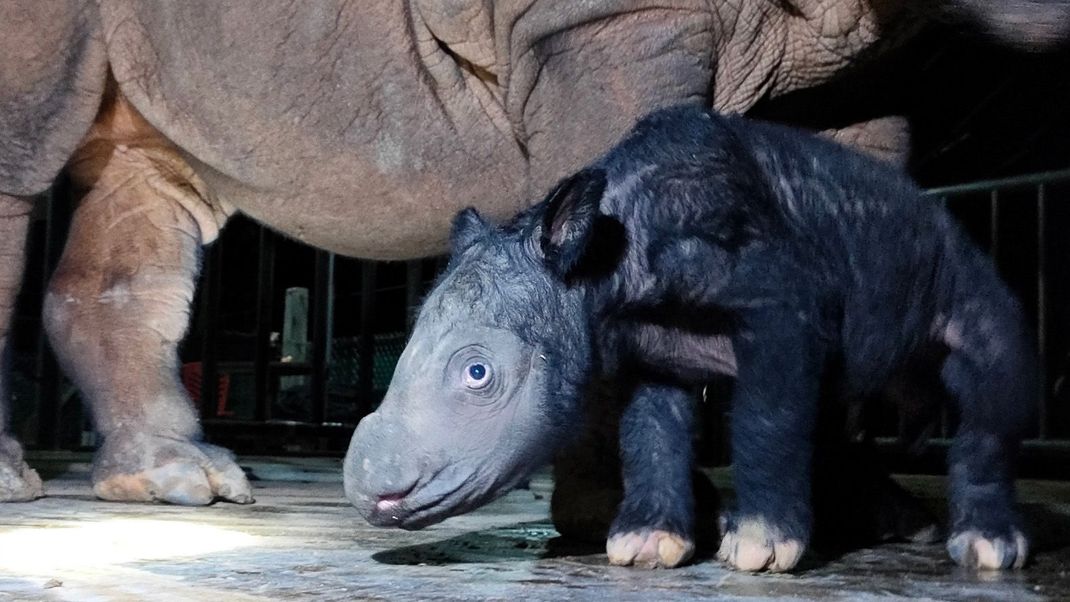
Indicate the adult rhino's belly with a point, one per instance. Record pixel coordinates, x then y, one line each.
324 126
392 221
351 127
387 194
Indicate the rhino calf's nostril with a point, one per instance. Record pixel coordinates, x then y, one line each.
385 505
390 501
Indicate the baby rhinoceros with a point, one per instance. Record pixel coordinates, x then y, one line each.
702 245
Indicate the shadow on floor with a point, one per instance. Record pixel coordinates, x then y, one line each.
522 541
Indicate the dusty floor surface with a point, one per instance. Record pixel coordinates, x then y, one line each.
301 540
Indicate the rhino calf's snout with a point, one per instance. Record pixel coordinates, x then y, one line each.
468 411
380 470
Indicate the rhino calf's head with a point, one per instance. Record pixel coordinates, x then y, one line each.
489 385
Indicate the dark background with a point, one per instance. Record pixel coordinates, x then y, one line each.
977 110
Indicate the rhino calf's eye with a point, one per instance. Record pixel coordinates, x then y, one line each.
476 376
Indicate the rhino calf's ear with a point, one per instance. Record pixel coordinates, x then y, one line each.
569 220
468 227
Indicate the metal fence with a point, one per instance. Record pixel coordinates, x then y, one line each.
1032 257
256 399
308 404
1021 221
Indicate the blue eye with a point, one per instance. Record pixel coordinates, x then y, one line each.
476 375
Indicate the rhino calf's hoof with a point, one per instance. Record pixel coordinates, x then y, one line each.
138 467
754 545
973 550
649 549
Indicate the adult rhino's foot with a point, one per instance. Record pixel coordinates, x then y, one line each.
753 544
141 467
649 549
18 482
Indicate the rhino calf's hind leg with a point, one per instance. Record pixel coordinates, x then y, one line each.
116 309
992 378
18 482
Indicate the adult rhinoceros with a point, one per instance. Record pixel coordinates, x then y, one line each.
360 127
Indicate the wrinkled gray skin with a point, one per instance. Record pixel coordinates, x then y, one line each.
492 430
446 472
359 127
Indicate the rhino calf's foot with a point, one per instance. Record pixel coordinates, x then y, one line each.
141 467
753 544
18 482
976 550
649 549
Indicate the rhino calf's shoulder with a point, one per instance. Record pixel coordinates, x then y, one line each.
701 245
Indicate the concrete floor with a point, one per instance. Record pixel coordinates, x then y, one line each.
302 540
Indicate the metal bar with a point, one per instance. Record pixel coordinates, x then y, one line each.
1028 181
366 346
265 285
210 301
322 297
57 221
1037 459
1042 313
993 225
47 372
413 290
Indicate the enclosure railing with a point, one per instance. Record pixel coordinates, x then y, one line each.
997 195
1040 185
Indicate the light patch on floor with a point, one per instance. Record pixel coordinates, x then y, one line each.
46 549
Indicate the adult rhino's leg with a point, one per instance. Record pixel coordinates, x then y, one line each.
886 138
115 311
18 482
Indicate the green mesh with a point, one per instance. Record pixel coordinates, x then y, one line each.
343 372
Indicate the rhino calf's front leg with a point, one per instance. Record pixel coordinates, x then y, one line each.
654 527
774 410
116 309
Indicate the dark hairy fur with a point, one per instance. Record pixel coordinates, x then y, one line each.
703 245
